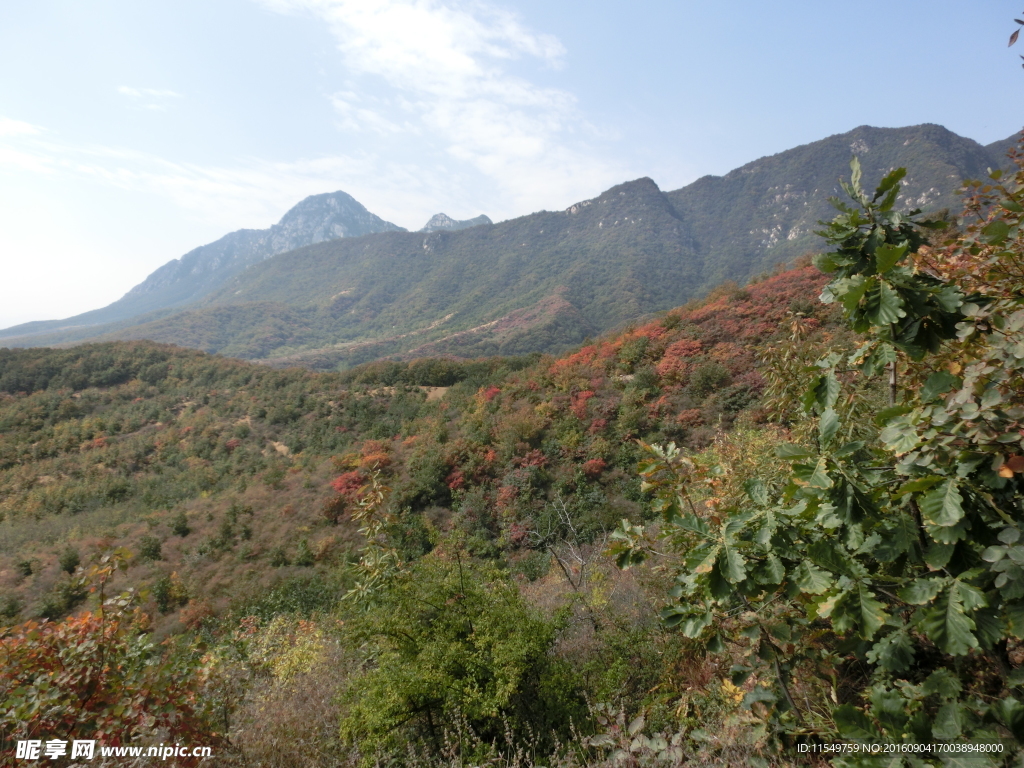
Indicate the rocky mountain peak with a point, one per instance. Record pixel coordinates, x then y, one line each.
325 217
442 221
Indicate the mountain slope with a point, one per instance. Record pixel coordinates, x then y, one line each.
582 270
546 281
206 268
766 212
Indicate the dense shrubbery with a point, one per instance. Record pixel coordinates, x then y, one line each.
226 478
874 586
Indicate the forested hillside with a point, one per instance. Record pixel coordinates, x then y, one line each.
543 282
233 489
779 519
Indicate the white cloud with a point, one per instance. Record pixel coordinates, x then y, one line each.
247 193
446 67
9 127
442 125
148 98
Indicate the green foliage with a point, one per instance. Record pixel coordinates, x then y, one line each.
279 557
303 554
179 525
69 560
904 545
169 593
62 597
454 645
150 548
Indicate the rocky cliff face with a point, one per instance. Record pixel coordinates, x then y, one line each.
442 221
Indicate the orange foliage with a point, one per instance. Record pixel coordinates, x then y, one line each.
96 676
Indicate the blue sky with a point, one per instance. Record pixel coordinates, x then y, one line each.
132 131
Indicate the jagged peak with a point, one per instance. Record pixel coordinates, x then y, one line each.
442 221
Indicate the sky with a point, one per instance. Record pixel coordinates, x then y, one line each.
132 131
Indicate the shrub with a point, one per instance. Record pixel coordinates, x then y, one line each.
149 548
64 596
279 557
69 560
304 555
169 593
706 378
179 525
97 676
454 646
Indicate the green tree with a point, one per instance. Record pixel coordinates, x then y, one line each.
452 645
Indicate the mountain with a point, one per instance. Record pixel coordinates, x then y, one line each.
441 221
765 212
546 281
206 268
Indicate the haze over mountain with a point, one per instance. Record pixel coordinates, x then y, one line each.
206 268
541 282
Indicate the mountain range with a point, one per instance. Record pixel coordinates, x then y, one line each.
332 285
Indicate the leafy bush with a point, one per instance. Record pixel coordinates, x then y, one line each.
150 548
64 596
69 560
99 676
454 645
170 593
179 525
304 555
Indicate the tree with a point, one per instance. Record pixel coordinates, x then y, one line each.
450 646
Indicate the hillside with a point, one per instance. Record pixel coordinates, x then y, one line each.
111 444
206 268
547 281
233 491
700 540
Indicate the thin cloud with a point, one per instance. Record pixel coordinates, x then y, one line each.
446 66
248 193
443 124
155 99
11 127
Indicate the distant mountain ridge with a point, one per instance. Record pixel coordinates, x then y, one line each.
546 281
441 221
204 269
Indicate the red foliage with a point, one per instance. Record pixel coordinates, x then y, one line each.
579 403
348 484
690 418
534 458
518 534
456 479
491 392
376 454
594 468
506 496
